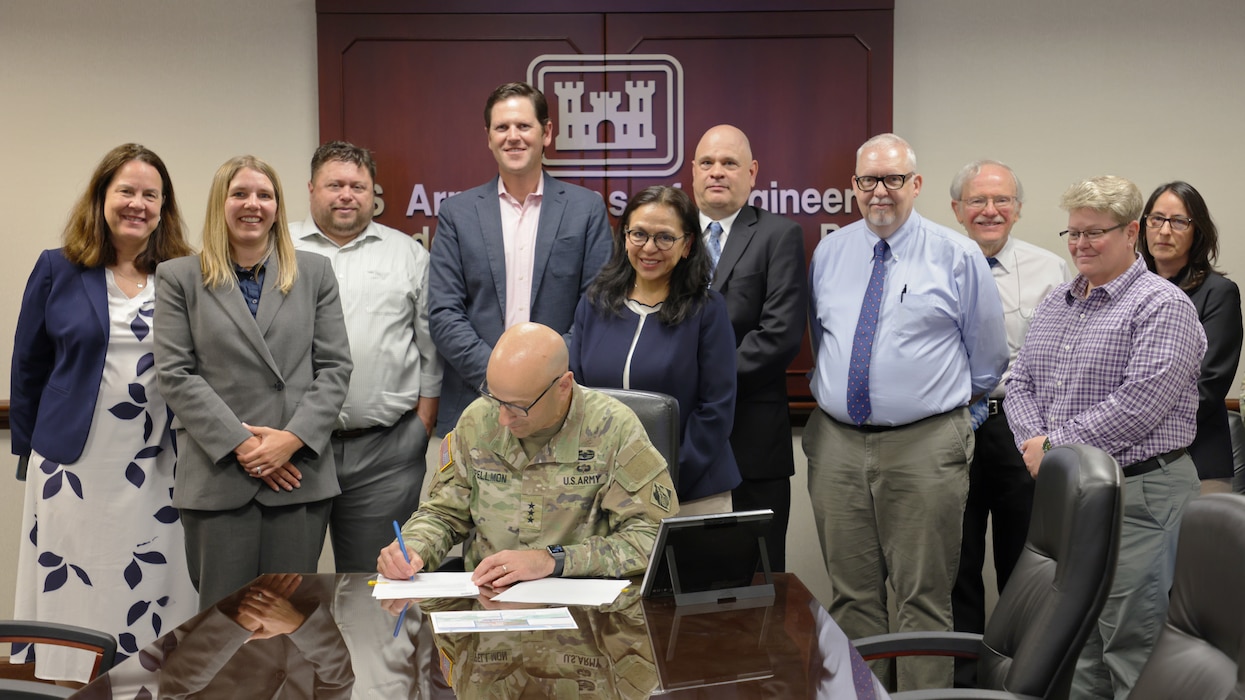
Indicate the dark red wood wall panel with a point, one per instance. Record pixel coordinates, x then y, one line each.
807 81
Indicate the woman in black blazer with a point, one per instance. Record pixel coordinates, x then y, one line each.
1179 241
101 544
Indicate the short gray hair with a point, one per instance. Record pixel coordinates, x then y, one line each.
973 169
1105 193
889 140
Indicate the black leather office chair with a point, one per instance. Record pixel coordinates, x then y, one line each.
1236 428
658 413
1200 651
1055 594
30 632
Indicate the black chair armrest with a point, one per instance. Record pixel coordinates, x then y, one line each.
103 644
959 694
13 689
888 646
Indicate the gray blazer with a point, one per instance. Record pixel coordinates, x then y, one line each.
467 285
286 368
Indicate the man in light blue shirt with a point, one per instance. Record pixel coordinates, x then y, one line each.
907 331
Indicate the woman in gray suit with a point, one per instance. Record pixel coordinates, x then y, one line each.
252 357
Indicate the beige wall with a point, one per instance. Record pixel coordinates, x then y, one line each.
1055 88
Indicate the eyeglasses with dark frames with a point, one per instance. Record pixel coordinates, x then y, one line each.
1179 224
639 239
1091 235
868 183
516 409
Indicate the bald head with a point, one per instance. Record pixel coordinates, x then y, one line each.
529 368
724 172
529 348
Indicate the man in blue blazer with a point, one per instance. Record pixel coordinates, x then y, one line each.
522 247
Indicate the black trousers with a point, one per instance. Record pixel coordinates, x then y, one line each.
999 487
775 494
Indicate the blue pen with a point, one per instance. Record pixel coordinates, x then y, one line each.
401 618
397 531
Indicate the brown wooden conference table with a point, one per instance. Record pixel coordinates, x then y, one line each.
325 636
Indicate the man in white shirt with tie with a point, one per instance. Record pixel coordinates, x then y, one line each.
986 197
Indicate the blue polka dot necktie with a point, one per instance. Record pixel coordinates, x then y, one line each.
862 676
715 245
858 405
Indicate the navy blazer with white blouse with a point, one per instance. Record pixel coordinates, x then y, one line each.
693 361
58 359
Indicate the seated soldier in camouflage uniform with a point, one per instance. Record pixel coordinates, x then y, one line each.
556 479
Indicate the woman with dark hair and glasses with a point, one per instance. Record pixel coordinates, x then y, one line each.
1179 241
650 322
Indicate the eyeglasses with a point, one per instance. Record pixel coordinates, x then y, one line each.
868 183
639 239
1090 236
514 408
983 202
1178 223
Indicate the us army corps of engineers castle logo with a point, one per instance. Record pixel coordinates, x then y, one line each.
637 140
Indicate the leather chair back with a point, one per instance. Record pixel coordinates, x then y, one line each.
1061 581
1236 429
1200 651
659 413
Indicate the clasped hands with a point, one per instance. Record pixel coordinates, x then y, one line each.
265 609
266 456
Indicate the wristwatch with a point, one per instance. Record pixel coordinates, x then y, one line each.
559 558
1046 445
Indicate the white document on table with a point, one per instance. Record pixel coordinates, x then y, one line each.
432 584
564 591
456 621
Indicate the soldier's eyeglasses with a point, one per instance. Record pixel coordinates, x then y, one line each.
516 409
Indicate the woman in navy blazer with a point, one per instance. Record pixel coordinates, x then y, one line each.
650 322
1180 242
101 543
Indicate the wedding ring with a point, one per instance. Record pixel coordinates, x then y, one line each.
257 470
503 568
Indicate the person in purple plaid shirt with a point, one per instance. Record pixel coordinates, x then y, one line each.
1112 360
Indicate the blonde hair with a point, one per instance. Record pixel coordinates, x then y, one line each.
215 260
1106 193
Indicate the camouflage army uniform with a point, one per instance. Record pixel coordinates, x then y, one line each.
599 489
608 655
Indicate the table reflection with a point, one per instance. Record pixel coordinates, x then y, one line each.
325 636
